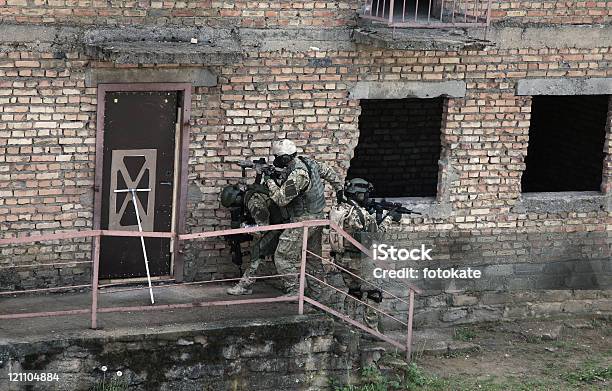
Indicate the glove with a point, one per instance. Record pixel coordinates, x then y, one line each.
395 216
271 172
339 196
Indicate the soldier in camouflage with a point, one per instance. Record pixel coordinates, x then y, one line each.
351 215
300 190
263 211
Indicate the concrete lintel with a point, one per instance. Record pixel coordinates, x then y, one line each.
587 201
546 36
164 53
198 77
416 39
410 89
296 40
565 86
29 33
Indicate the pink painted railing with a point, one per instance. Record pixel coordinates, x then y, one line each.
428 13
301 298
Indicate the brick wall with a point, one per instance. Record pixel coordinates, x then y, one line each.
279 13
47 131
484 136
399 146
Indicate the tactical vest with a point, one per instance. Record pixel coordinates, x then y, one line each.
277 214
364 235
311 200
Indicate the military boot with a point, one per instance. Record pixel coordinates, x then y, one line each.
242 288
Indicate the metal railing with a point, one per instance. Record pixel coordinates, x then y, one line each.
428 13
303 275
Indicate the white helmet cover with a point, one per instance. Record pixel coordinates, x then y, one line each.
283 147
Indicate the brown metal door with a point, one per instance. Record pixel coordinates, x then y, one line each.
139 145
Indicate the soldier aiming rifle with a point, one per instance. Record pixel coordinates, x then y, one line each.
251 205
352 215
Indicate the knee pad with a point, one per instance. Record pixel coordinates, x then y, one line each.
356 293
375 295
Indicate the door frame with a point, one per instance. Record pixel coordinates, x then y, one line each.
177 263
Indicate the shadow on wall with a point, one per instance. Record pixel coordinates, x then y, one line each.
576 274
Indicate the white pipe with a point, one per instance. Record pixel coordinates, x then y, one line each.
144 251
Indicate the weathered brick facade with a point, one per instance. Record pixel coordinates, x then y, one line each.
303 87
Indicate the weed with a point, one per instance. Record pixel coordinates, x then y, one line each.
588 373
464 334
411 378
532 339
111 384
567 344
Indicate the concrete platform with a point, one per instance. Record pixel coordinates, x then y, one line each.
78 326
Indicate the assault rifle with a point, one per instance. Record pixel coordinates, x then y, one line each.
379 206
261 167
238 216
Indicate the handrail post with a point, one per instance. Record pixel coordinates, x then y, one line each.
94 282
410 315
303 271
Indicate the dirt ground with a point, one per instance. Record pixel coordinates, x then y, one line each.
544 355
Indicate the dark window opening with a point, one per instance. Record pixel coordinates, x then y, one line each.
566 143
399 146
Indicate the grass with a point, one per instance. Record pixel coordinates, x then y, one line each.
414 378
578 361
113 384
464 334
588 376
372 379
589 372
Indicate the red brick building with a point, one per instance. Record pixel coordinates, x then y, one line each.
500 135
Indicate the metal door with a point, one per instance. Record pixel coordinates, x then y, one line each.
139 150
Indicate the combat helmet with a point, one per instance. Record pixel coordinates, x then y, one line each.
284 151
359 190
283 147
358 185
231 196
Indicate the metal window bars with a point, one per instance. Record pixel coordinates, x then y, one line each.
428 13
301 298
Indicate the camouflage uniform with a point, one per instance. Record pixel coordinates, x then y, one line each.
264 212
301 192
359 224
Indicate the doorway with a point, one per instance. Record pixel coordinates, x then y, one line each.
139 146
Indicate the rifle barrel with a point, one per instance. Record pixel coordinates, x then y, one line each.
385 205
